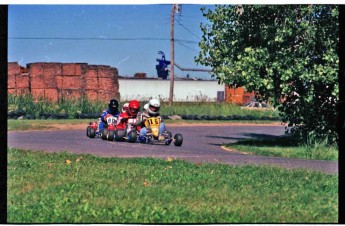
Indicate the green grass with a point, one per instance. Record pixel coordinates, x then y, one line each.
286 147
83 105
43 188
68 106
212 109
20 125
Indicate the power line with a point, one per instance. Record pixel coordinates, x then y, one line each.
102 39
187 41
189 31
187 47
81 39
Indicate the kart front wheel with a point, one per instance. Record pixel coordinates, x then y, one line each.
132 136
110 135
92 133
120 134
178 139
104 134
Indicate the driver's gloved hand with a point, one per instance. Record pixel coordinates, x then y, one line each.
124 120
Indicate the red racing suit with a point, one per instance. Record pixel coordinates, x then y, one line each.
121 124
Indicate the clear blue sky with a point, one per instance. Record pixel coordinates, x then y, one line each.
102 22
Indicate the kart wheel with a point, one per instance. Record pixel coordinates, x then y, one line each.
92 133
178 139
104 133
169 136
110 135
88 131
132 136
119 134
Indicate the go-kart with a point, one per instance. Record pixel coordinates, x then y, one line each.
129 134
108 131
152 136
92 130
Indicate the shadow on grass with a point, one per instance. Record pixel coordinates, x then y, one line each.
226 138
261 140
268 140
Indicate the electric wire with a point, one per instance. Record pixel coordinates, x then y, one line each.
81 39
189 31
102 39
187 47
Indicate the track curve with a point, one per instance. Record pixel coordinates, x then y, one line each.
201 144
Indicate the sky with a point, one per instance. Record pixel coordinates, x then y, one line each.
127 37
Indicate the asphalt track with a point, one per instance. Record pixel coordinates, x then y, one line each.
201 144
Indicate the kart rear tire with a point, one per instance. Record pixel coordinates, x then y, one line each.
178 139
110 135
119 134
92 133
132 136
104 133
88 131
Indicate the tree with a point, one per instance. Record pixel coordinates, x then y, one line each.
288 54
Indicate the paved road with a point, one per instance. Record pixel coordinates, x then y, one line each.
201 144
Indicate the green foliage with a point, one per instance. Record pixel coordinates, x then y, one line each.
319 149
288 54
46 188
211 109
288 147
68 106
82 105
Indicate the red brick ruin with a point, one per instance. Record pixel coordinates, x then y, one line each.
52 81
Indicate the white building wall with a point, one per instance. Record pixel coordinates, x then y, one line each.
144 89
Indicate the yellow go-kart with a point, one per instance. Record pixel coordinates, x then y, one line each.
153 134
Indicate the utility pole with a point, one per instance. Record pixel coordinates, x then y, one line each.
172 49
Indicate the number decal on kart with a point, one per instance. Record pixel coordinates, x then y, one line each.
111 120
153 121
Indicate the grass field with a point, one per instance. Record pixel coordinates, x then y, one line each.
287 147
20 125
69 188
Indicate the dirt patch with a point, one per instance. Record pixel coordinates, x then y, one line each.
233 150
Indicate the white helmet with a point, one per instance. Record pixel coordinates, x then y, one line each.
125 107
154 106
146 107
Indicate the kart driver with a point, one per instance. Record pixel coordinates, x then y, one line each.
151 111
129 115
125 107
111 111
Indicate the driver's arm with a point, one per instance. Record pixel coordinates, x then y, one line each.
140 119
103 116
161 118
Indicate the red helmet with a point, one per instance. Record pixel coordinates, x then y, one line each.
133 108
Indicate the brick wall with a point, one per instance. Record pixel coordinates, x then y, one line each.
238 95
18 79
64 80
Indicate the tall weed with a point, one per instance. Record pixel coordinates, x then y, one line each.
39 106
83 105
318 148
